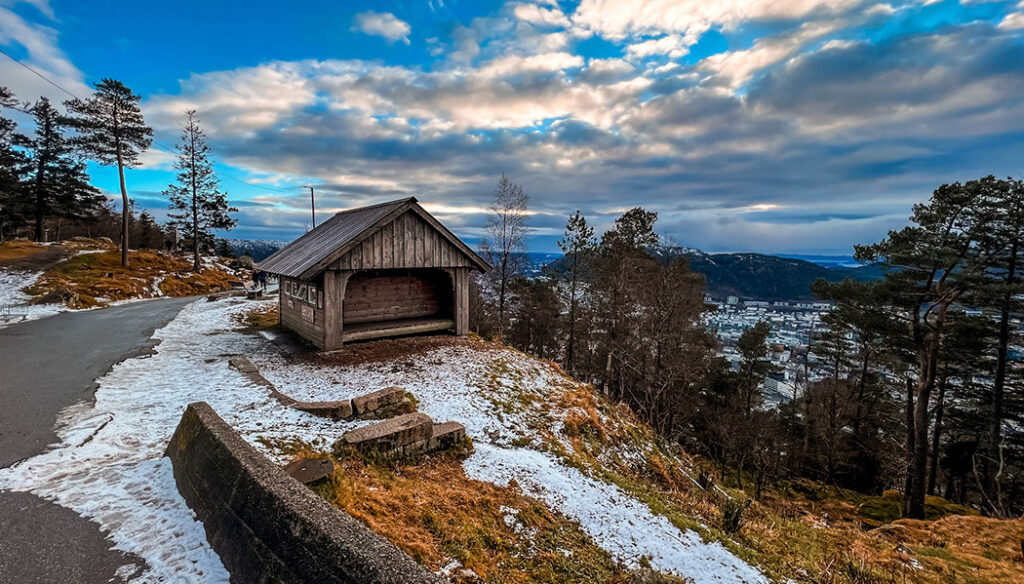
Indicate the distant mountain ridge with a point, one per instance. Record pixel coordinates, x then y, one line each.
257 249
763 277
747 276
751 276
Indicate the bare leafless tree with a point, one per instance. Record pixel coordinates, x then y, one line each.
504 244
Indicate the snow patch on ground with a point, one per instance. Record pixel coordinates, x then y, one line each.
14 304
109 465
462 383
623 526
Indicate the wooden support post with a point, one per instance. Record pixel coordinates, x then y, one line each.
335 282
460 296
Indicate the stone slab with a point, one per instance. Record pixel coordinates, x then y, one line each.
310 470
377 400
445 435
337 410
390 434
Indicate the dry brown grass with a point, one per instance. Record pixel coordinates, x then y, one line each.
13 250
436 514
821 539
262 318
97 279
88 243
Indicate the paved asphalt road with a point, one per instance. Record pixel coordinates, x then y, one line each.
46 365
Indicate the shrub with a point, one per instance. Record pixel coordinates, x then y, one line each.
732 514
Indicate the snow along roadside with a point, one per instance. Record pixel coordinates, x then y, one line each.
17 302
109 465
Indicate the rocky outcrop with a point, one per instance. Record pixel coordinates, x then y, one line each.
408 435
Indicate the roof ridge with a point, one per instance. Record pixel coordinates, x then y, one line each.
374 206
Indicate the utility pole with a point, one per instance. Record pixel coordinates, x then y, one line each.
312 204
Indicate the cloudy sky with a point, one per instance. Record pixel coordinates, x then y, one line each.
795 126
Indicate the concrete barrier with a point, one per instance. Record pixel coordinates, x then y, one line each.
265 525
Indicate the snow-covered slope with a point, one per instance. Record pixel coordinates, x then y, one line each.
109 467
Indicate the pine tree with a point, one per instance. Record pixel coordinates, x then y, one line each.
577 245
940 261
11 160
201 206
112 131
147 232
56 182
1006 287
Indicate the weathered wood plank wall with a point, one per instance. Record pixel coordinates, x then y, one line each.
370 297
406 242
301 315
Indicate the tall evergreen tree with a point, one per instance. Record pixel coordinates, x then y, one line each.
578 245
11 160
147 232
200 206
112 131
56 181
940 261
1005 289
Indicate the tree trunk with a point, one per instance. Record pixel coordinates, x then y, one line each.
933 467
125 210
919 459
996 423
569 353
502 285
195 203
910 445
40 204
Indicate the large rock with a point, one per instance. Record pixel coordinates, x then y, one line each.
338 410
389 396
390 435
310 470
446 435
59 295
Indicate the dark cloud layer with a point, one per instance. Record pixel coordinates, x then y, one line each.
809 139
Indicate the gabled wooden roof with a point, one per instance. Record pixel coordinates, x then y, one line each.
310 254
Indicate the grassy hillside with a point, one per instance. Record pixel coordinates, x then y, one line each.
511 526
97 279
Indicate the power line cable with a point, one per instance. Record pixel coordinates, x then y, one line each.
157 144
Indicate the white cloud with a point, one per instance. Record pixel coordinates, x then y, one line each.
382 24
617 19
514 65
734 68
539 15
1014 20
236 102
673 46
40 42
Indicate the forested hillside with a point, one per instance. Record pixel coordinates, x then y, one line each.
763 277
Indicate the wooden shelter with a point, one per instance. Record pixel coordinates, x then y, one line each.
373 272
